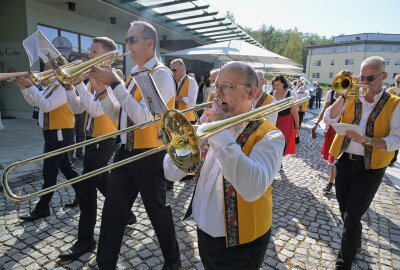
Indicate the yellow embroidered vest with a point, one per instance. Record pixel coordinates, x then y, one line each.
60 118
254 219
148 137
376 158
102 124
268 99
183 92
303 107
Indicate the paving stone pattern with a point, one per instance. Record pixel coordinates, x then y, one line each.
305 235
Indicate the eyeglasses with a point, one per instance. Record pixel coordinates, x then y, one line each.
173 70
370 78
398 81
132 40
226 89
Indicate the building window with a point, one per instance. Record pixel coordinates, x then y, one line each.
349 62
330 75
397 62
332 62
80 44
317 63
315 75
387 61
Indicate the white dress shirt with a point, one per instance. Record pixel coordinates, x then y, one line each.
138 111
86 102
35 97
392 139
193 90
250 176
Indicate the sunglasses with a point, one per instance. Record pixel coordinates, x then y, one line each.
132 40
398 81
174 70
370 78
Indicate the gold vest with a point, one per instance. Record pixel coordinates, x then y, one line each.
148 137
102 124
254 218
183 92
381 127
303 107
59 118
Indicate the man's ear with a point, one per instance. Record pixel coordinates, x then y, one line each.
252 92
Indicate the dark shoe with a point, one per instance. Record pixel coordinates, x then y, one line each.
75 203
77 250
132 220
172 266
169 185
36 214
187 177
79 155
328 188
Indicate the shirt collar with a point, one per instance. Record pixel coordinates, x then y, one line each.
376 97
148 66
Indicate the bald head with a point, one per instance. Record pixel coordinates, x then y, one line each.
245 71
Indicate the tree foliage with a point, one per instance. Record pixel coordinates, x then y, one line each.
289 43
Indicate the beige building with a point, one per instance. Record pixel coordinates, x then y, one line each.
347 52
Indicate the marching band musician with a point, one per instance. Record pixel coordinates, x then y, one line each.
232 202
362 158
263 98
186 93
96 156
57 121
145 175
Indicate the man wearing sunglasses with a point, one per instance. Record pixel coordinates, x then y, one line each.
145 175
362 158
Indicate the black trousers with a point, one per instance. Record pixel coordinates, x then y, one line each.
80 129
97 155
52 165
311 104
355 190
147 177
318 101
216 256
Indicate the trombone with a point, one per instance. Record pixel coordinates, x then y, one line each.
180 139
346 84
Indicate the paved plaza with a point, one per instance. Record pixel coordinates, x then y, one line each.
306 223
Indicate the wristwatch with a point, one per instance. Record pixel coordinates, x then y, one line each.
368 142
115 84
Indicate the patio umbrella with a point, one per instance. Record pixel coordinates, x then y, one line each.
279 68
232 50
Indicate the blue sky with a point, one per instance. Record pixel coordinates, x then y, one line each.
325 18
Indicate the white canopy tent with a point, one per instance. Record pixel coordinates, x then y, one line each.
232 50
279 68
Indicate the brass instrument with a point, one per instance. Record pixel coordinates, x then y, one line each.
67 75
37 78
346 84
180 139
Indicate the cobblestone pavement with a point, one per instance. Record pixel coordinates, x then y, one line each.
306 223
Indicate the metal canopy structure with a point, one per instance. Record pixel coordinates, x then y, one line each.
193 18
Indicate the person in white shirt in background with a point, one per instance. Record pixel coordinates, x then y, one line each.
241 177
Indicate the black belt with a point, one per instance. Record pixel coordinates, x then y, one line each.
353 157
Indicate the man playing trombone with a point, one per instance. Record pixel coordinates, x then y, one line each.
58 121
232 202
96 155
146 175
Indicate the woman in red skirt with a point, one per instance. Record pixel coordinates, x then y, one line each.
288 120
329 134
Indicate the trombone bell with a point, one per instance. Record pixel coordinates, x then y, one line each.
346 84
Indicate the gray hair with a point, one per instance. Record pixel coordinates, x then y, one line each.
376 61
260 74
178 61
148 31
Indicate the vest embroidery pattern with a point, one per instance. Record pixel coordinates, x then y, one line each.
230 195
261 100
356 121
369 132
